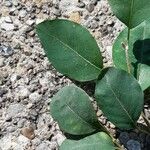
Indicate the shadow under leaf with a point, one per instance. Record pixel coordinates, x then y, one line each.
141 51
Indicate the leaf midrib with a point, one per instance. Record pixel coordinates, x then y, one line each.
143 37
107 82
72 50
86 144
80 117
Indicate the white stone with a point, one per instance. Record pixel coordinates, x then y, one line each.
8 19
39 21
7 26
60 138
2 62
109 51
35 97
13 77
11 142
22 13
24 93
30 22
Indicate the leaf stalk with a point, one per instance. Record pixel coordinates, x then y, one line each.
127 52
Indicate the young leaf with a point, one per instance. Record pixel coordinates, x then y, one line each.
98 141
138 51
72 109
131 12
71 49
120 97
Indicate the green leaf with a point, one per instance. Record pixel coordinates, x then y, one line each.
98 141
131 12
144 76
72 109
139 53
120 97
71 49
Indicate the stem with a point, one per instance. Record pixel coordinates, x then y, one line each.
127 52
146 120
119 147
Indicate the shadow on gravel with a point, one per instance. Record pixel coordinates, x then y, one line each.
88 87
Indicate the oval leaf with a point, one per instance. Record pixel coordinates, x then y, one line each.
139 53
71 49
98 141
120 97
131 12
72 109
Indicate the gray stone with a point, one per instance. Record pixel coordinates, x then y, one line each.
90 7
6 51
94 24
124 137
11 129
15 109
81 5
93 2
3 91
43 146
57 12
59 138
21 123
14 77
24 93
35 97
2 62
8 4
133 145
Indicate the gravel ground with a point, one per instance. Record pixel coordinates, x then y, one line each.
28 81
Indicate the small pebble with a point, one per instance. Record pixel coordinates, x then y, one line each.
22 13
35 97
6 51
7 26
90 7
57 12
8 4
133 145
8 20
81 5
28 132
2 62
124 137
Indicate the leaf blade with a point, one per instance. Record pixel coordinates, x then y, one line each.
71 49
95 142
139 53
124 103
131 12
72 109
